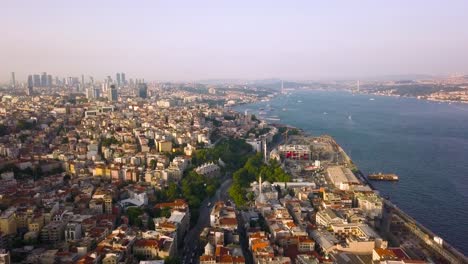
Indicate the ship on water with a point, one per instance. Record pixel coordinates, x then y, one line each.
383 177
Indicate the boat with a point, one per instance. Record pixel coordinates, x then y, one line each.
383 177
349 117
325 113
299 101
284 109
372 99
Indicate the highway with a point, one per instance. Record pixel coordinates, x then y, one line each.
192 249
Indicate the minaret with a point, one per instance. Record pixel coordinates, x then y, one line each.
358 86
260 185
265 156
282 87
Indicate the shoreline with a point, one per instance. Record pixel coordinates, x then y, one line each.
418 98
424 233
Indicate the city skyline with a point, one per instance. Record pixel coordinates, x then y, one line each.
185 41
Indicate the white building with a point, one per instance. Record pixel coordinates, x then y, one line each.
255 143
72 231
343 178
208 169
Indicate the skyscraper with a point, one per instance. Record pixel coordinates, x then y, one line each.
29 90
89 92
36 80
122 76
49 80
97 93
142 90
44 79
112 94
117 78
13 80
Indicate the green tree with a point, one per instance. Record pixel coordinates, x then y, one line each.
211 190
109 141
237 193
172 260
133 214
153 163
250 196
172 191
151 225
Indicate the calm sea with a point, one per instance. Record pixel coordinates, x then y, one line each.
425 143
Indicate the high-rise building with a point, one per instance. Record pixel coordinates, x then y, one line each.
49 80
142 90
13 80
29 90
44 79
97 93
89 92
36 80
117 78
112 94
72 81
122 76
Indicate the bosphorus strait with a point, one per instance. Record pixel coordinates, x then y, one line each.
425 143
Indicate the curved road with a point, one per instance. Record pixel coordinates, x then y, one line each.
192 250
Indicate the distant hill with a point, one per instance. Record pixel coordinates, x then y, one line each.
401 77
275 84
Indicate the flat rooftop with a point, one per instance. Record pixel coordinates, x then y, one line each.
340 174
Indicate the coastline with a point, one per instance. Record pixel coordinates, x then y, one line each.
426 235
417 97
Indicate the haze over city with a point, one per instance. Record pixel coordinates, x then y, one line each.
229 132
194 40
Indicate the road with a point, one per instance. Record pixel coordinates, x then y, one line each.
192 249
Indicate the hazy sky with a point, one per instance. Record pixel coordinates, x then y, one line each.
197 39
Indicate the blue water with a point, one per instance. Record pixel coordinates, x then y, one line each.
425 143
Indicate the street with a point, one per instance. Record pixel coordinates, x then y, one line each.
191 248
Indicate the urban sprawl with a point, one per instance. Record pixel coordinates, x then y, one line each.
127 171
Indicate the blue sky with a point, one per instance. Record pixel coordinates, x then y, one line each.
192 40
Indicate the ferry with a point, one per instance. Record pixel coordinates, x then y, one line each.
383 177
